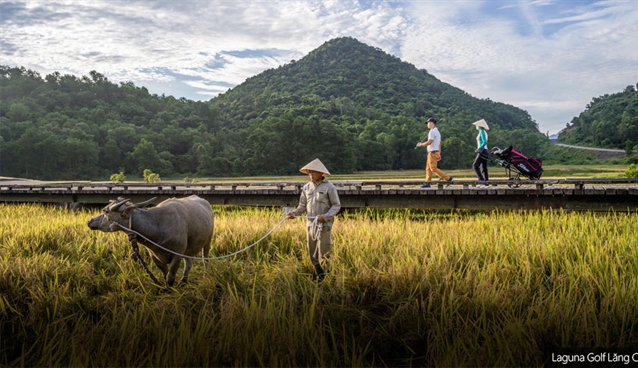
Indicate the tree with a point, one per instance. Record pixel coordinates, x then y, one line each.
146 156
38 155
110 156
80 159
18 112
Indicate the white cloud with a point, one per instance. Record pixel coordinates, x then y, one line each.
549 57
552 76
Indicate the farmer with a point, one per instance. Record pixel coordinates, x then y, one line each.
319 199
480 163
434 154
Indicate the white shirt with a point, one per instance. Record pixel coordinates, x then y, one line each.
435 137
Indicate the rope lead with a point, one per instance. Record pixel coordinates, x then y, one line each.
316 233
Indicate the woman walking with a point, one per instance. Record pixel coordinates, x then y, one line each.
480 163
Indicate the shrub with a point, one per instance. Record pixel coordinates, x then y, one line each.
632 172
118 178
151 177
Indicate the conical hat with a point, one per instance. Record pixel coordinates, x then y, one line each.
315 165
481 123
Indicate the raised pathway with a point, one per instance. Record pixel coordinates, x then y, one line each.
568 194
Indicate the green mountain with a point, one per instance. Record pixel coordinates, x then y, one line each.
609 121
345 75
354 106
375 102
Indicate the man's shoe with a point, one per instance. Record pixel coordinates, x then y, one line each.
451 179
320 274
425 186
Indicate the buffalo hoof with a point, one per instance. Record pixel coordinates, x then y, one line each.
181 284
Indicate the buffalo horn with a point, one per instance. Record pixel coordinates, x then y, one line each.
145 203
116 206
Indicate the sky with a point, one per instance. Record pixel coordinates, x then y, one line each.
548 57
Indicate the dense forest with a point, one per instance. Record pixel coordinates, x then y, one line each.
354 106
609 121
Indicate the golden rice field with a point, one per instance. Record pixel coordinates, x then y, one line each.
404 289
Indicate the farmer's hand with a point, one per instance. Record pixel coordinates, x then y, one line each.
291 215
321 219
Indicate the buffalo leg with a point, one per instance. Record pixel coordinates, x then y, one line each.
173 266
161 265
187 269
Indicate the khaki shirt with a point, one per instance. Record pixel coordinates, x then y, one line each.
319 199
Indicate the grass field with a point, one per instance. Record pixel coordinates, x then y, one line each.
495 172
404 288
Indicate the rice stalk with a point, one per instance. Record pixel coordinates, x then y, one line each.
404 288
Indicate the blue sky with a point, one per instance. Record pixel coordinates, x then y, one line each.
547 57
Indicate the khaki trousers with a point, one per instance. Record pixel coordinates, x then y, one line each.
431 167
317 255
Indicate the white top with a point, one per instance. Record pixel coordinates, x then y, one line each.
435 137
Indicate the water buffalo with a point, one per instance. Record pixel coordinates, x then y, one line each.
182 225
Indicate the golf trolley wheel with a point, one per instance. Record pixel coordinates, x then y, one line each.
515 182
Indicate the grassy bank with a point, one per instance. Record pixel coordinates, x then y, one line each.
557 171
495 172
418 288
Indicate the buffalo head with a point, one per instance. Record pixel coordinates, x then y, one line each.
115 212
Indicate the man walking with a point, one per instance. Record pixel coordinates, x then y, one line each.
434 154
320 200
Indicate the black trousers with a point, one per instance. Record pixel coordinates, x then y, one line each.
480 165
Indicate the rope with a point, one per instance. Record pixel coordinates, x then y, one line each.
315 228
315 233
315 236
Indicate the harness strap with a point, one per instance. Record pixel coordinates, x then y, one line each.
136 256
132 238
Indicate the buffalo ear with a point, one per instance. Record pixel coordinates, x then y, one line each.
145 203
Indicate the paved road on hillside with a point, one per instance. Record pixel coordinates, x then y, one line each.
16 182
587 148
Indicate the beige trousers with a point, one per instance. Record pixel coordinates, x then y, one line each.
318 254
431 167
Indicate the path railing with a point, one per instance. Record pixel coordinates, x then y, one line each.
572 193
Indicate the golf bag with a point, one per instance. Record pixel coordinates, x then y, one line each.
516 162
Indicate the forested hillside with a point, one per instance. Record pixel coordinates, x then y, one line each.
64 127
354 106
609 121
